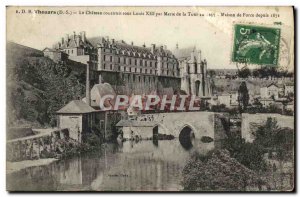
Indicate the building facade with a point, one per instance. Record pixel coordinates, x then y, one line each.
269 91
128 68
193 72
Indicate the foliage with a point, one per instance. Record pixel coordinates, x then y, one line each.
272 72
38 87
91 139
244 73
248 154
243 96
271 136
217 171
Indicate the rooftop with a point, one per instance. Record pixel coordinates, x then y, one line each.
76 107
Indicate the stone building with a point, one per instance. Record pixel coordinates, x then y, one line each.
269 91
193 72
288 89
55 55
130 69
78 117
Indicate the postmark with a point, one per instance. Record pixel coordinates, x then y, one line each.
256 45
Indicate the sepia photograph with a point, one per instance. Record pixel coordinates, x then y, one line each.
150 99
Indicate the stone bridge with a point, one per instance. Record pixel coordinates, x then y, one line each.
209 124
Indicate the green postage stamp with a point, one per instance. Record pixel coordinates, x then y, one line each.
256 45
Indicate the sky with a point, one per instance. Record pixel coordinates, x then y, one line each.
212 35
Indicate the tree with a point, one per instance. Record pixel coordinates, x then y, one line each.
212 73
255 73
243 96
244 73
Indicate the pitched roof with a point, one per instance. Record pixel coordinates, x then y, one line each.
272 84
184 53
122 46
48 49
76 107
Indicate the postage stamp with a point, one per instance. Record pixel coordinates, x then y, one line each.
256 45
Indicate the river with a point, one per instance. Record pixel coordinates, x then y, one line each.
127 166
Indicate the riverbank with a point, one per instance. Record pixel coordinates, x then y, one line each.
12 167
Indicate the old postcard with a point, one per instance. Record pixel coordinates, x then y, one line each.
150 99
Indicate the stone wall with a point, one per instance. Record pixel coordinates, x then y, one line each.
73 123
17 132
38 146
142 132
208 124
251 121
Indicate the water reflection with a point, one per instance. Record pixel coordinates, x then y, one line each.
128 166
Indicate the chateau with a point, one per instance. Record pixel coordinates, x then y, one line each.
132 69
193 72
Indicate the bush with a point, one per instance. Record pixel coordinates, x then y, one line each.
218 172
249 154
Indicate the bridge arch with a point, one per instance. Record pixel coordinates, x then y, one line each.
186 136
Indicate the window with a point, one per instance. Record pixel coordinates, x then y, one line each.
104 57
129 61
150 64
141 62
118 59
124 60
111 67
104 66
135 62
111 58
72 51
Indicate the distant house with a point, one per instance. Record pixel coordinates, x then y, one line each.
269 91
55 54
288 89
78 117
228 99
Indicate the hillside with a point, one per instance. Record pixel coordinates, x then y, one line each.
37 87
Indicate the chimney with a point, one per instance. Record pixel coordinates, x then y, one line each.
131 43
152 48
113 41
176 45
82 34
161 48
87 85
74 34
144 45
